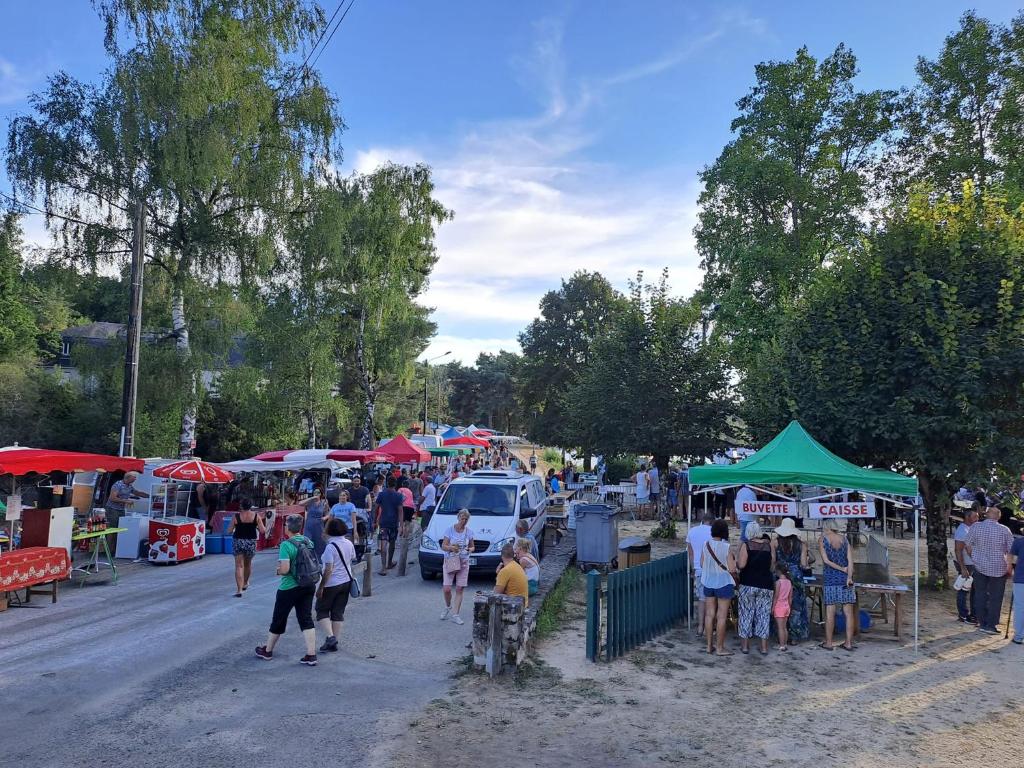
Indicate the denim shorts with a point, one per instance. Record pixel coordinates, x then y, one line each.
722 593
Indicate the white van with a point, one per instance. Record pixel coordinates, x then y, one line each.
496 499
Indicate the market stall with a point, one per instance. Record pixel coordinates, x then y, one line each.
404 451
794 458
60 521
464 440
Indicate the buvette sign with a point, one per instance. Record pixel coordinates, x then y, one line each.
766 508
841 509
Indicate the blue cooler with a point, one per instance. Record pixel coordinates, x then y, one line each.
214 544
229 545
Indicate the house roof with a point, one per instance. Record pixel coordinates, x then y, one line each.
94 331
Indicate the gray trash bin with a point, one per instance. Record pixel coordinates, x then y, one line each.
597 533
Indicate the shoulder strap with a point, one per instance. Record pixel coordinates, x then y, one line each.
343 561
714 556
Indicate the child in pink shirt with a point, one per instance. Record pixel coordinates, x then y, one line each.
782 603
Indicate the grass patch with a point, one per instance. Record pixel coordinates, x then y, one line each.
550 616
552 456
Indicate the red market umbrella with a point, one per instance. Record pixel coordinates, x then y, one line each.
21 461
405 451
194 471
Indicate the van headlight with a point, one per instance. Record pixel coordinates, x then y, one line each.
429 544
496 546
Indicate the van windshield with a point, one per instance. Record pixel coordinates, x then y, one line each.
483 499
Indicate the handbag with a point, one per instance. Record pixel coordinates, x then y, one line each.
715 558
353 585
452 563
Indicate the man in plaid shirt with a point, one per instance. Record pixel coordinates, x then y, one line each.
988 544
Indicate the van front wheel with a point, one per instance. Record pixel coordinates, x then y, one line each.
427 575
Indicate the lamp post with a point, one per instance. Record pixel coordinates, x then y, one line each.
426 382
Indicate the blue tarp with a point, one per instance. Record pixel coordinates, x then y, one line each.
451 434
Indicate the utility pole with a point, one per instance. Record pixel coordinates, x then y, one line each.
133 337
426 380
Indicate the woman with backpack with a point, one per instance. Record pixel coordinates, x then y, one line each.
299 569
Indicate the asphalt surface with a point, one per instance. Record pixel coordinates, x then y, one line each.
160 670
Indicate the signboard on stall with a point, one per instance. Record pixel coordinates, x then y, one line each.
766 508
844 509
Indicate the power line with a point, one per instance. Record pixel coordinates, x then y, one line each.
329 37
35 209
322 33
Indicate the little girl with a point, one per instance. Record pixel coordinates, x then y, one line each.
782 603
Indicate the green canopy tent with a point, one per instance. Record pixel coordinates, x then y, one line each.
793 457
449 451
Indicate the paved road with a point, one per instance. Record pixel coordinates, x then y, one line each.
159 670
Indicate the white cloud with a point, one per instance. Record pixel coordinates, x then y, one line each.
531 209
466 349
14 84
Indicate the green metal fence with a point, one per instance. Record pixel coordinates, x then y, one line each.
630 607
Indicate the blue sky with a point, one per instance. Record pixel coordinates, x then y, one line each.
564 135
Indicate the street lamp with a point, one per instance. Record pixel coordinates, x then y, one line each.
426 381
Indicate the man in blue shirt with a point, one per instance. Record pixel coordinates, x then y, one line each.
389 516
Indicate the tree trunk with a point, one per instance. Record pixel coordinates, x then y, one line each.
664 515
179 324
310 416
366 383
937 515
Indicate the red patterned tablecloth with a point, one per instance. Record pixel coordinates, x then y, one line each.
33 565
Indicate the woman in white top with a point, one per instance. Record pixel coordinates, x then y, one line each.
717 566
333 592
457 543
524 555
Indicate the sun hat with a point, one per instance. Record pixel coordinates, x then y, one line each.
787 528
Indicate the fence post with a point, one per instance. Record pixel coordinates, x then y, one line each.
593 614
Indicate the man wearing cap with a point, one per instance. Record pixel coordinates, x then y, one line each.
122 494
988 545
965 569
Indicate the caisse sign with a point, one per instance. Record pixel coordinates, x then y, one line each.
828 509
766 508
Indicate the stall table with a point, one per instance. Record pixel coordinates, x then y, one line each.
870 578
32 567
97 540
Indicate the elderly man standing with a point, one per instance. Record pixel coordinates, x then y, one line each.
121 496
966 599
988 545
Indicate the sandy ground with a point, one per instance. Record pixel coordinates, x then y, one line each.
957 701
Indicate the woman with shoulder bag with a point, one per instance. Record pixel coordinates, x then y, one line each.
336 583
717 566
456 544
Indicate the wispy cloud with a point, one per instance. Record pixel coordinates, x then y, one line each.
15 85
531 208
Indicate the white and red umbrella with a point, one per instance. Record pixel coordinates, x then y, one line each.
194 471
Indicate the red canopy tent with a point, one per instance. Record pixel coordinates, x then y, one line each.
21 461
404 451
476 442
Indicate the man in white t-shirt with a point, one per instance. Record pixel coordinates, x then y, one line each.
696 538
965 567
428 500
746 493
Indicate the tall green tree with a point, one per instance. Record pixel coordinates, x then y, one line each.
788 192
557 348
17 324
910 352
966 119
652 386
205 117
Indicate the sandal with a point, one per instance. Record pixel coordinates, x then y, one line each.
826 647
724 653
846 647
762 651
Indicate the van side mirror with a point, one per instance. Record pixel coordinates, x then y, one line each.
527 513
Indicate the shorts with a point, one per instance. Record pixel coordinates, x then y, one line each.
299 598
460 577
408 513
245 547
673 497
722 593
389 532
654 498
698 587
332 603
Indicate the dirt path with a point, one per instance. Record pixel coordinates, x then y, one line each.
956 702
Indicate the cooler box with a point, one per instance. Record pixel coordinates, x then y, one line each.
229 545
215 544
176 539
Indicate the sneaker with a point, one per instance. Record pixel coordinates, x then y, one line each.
330 645
263 653
309 661
458 619
1015 641
446 614
989 630
972 620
